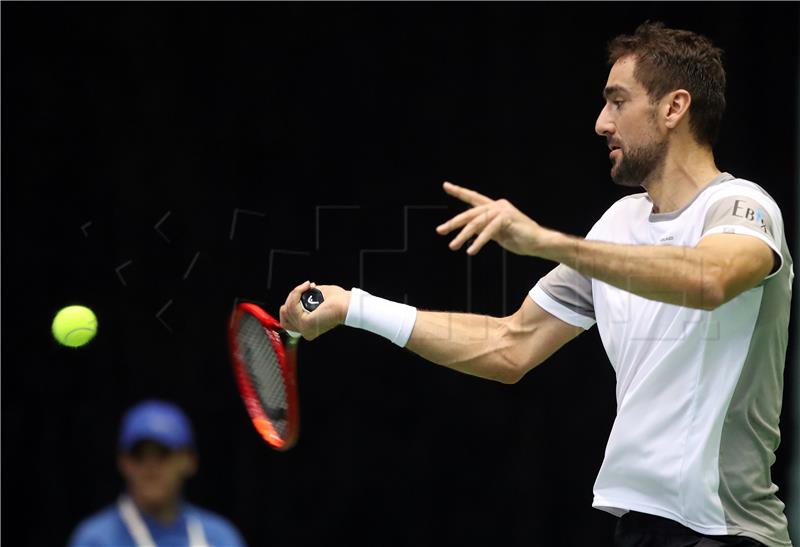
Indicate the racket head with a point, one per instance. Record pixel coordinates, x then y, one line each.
264 359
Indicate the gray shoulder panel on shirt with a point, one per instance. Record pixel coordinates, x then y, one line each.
733 211
571 289
740 211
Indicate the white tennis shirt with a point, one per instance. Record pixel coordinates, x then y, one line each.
698 392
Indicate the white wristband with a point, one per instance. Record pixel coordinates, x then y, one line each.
391 320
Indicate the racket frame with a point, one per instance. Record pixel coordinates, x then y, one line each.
285 347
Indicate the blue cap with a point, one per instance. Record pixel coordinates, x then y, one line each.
157 421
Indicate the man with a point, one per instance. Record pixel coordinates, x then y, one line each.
156 456
689 284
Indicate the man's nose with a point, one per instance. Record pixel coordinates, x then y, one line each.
603 125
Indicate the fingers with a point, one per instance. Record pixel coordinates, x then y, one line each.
486 234
465 194
294 297
460 220
479 202
292 309
285 320
476 225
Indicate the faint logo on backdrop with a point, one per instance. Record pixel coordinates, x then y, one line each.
281 259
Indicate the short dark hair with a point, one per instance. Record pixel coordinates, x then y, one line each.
669 59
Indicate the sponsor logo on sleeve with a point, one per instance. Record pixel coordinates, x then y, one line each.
742 210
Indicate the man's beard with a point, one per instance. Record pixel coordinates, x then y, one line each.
637 166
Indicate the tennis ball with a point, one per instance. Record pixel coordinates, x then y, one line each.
74 326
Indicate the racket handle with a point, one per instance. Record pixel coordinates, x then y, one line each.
311 299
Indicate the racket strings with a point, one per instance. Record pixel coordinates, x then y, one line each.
264 370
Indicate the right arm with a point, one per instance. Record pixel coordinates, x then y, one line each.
502 349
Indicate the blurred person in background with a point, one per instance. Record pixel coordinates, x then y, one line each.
156 457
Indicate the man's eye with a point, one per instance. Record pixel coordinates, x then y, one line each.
618 104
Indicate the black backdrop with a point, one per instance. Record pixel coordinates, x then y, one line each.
162 160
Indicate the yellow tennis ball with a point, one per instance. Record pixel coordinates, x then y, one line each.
74 326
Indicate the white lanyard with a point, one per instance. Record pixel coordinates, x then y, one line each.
141 535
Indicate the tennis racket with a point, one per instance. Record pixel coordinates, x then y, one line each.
264 359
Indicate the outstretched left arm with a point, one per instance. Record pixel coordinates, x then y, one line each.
706 276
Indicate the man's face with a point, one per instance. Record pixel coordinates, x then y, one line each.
155 474
629 123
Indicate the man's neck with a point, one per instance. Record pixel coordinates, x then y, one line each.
685 174
165 512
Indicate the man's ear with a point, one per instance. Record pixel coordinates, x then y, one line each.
676 107
189 463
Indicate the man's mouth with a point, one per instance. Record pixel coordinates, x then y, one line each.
614 148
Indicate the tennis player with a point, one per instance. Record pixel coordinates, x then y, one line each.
688 282
156 456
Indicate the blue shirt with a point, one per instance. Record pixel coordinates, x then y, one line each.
107 529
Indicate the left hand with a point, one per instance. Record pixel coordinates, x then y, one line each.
490 219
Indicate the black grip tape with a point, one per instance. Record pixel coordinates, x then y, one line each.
311 299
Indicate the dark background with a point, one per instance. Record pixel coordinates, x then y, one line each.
132 134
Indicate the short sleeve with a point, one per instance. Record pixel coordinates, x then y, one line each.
97 531
102 529
84 538
566 294
746 215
